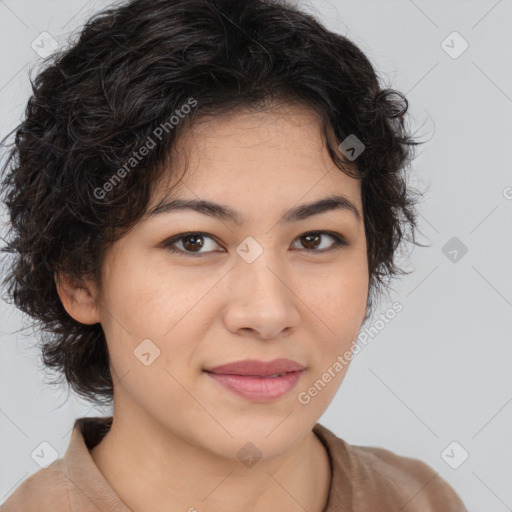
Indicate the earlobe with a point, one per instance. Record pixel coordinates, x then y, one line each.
78 298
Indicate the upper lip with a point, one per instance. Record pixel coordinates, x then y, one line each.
258 368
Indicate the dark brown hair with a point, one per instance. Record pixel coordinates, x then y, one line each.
133 68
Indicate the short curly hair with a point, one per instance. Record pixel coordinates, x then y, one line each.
96 104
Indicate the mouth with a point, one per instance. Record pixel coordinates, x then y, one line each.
257 380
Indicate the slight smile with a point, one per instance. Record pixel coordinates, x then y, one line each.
258 380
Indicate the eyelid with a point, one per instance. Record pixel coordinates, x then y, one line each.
169 244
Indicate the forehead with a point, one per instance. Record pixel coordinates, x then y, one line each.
274 156
292 131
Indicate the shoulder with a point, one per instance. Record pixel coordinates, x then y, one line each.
47 490
404 481
382 480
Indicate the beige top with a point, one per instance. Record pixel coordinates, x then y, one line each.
364 479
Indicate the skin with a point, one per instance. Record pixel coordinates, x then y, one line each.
176 432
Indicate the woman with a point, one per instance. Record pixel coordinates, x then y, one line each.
206 197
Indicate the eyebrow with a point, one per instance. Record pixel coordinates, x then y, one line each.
224 213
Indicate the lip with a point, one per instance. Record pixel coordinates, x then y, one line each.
253 379
254 368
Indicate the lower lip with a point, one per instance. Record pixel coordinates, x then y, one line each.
261 389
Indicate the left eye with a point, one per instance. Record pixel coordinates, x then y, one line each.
312 239
192 243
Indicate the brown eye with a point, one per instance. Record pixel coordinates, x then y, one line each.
190 244
201 244
313 240
193 242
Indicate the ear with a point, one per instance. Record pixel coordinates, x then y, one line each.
79 298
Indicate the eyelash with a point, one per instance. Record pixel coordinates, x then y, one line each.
339 241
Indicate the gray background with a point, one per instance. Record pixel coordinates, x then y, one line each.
440 371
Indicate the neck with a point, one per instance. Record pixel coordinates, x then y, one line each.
153 471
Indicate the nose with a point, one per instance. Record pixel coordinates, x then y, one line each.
262 302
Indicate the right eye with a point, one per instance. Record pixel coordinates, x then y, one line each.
189 243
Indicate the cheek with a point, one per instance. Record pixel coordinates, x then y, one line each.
336 304
338 295
153 317
150 299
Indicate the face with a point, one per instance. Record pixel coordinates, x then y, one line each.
265 283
